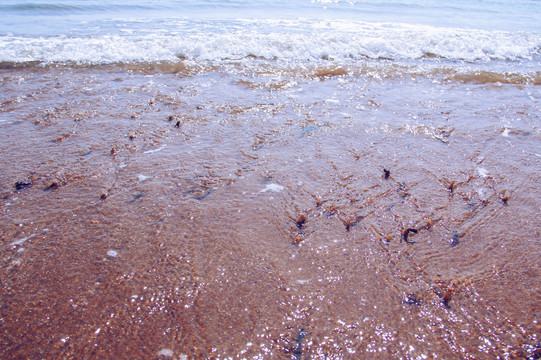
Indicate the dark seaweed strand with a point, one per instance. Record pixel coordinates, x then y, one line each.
137 197
297 352
300 222
405 235
19 185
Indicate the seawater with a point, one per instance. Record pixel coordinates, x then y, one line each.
270 180
293 32
149 211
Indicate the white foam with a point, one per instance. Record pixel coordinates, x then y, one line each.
155 150
166 352
483 194
273 188
302 40
482 172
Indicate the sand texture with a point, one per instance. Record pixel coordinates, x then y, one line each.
163 213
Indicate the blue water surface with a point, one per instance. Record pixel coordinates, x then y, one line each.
95 17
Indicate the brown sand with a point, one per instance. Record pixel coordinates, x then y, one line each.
160 214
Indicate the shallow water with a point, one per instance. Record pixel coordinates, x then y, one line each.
294 32
167 212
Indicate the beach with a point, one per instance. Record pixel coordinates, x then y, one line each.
259 207
215 215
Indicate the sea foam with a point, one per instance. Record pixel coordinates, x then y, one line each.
298 41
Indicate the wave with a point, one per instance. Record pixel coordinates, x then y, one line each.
25 7
62 9
340 41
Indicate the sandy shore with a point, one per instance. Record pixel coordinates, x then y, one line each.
229 215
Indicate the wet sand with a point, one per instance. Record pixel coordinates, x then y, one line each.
227 214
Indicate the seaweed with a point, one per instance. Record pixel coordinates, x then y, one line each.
406 233
296 240
51 187
137 197
451 187
300 222
446 298
20 185
296 351
349 223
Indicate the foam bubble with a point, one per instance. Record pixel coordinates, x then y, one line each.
482 172
302 40
273 188
155 150
166 352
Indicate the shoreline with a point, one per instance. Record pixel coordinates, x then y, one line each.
436 69
218 214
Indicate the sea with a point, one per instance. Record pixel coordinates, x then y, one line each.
496 35
292 180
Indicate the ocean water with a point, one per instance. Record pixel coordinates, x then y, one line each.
284 33
288 180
